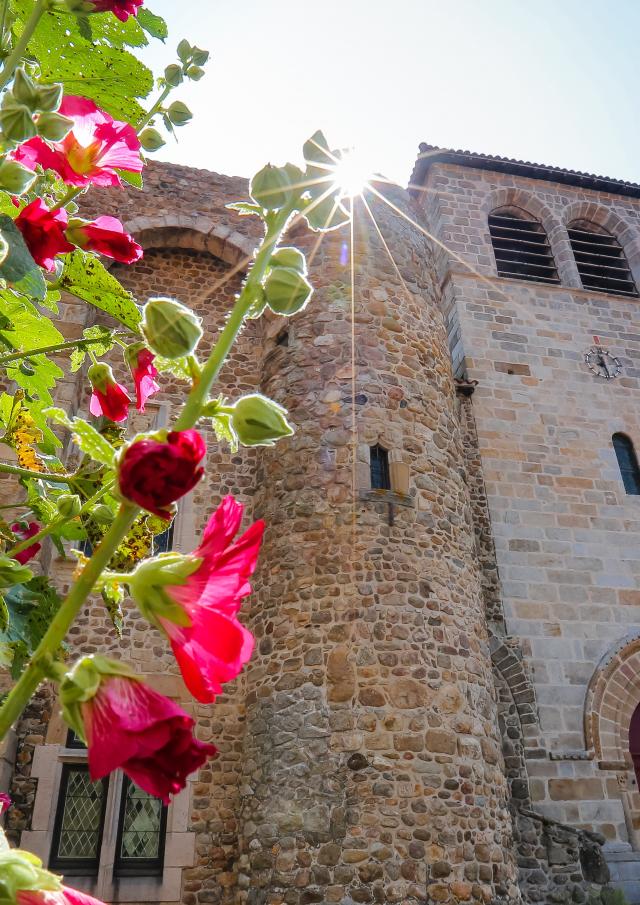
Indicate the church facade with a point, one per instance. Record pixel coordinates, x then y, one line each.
442 703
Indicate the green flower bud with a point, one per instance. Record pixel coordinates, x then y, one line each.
102 514
199 57
271 187
69 505
16 121
289 257
286 290
14 177
11 572
170 329
179 114
54 126
21 871
195 73
24 90
326 215
258 421
149 579
49 97
173 75
185 50
151 139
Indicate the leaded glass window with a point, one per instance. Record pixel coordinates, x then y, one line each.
141 832
79 822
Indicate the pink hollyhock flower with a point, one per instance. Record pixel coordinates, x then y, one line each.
155 474
5 802
23 531
120 8
93 150
195 600
64 896
143 371
43 232
109 398
105 235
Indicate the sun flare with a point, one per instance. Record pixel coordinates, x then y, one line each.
351 173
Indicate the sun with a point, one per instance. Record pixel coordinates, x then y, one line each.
351 173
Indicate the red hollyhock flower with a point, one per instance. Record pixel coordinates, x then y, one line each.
155 474
64 896
143 371
120 8
129 726
5 802
105 235
43 232
109 398
93 150
23 531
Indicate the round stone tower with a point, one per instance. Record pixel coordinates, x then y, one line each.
372 770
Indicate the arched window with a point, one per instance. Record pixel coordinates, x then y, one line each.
601 262
634 741
521 247
379 466
627 463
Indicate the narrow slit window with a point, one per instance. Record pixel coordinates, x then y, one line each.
521 248
600 260
379 466
627 463
77 835
141 833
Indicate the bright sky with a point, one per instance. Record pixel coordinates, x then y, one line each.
555 81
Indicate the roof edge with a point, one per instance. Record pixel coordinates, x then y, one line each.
431 154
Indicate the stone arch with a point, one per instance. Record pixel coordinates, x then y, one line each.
612 696
506 658
527 202
197 233
610 220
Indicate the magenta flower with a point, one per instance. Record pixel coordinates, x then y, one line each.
107 236
5 802
109 398
64 896
23 531
43 232
143 371
120 8
91 153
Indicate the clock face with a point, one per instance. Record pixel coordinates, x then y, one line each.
602 363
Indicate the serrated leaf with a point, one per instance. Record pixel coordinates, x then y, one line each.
86 277
18 267
30 329
85 437
152 24
178 367
31 608
133 179
244 208
106 343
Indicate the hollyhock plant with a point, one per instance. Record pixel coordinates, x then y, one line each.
5 802
107 236
155 472
23 531
24 881
43 231
63 896
122 9
93 150
109 398
140 361
195 599
128 726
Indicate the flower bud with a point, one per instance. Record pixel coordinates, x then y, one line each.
12 572
54 126
16 121
173 75
24 90
69 505
170 329
289 257
199 57
326 215
102 514
146 586
258 421
286 290
185 50
316 150
49 97
151 139
271 187
14 177
195 73
22 872
179 114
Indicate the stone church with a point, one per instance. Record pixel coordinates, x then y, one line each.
443 704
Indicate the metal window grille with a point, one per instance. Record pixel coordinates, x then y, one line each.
627 463
77 835
141 833
521 248
379 465
600 260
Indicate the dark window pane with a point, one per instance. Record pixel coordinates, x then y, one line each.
600 260
163 543
79 822
379 464
141 832
627 462
73 741
521 248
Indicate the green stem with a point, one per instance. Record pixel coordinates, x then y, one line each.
5 4
17 53
20 695
165 94
198 396
71 195
41 475
45 350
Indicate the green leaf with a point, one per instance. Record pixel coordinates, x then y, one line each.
152 24
18 268
244 208
86 277
85 437
133 179
31 608
98 349
113 595
178 367
29 329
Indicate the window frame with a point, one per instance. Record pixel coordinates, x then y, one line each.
76 867
630 476
592 270
139 867
506 259
385 470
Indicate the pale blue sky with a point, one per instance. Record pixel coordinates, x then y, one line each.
555 81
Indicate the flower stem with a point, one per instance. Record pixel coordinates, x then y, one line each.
70 196
20 695
165 94
17 53
44 350
41 475
199 394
